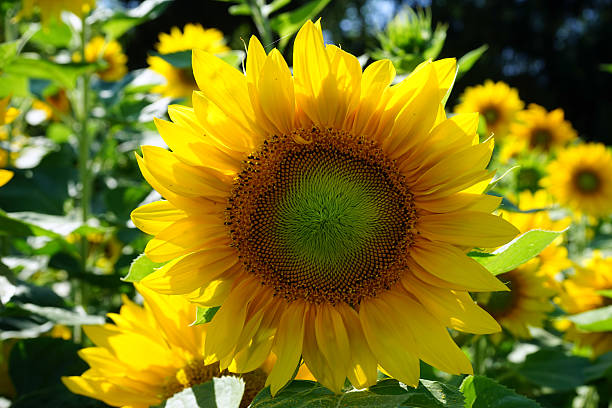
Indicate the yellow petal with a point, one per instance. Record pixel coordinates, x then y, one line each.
276 93
449 263
152 218
5 176
332 339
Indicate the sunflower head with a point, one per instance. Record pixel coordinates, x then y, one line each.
180 82
52 9
148 354
580 293
326 211
526 304
110 54
581 179
55 104
496 102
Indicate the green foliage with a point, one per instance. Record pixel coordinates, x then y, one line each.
466 62
123 20
288 23
205 314
517 252
596 320
554 369
387 393
483 392
140 268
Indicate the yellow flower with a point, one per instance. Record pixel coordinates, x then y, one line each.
7 115
54 105
553 259
526 304
112 55
580 294
326 211
180 82
496 102
52 9
148 354
538 130
581 179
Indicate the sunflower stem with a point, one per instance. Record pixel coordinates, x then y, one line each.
83 138
260 18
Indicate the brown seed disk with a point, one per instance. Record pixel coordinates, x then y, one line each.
323 216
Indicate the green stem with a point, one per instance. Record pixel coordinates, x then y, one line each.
84 174
260 17
480 349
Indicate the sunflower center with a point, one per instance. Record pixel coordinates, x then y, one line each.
541 138
194 373
491 115
323 216
587 181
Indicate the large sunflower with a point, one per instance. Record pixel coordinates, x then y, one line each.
149 354
580 294
526 304
7 115
581 178
180 82
538 130
328 212
497 102
553 259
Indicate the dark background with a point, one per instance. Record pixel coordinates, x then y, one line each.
550 50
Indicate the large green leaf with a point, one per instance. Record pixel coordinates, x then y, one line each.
385 394
64 75
288 23
555 369
517 252
140 268
222 392
27 224
483 392
8 51
13 84
601 367
597 320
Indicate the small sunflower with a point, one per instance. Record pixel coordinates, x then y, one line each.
7 115
497 102
180 82
55 105
327 212
149 354
526 304
581 179
52 9
580 294
538 130
110 53
553 259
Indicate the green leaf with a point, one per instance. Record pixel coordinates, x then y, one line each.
466 62
234 57
385 394
601 367
204 314
606 67
240 10
221 392
606 293
62 316
13 84
275 6
115 26
517 252
8 51
180 59
58 132
57 396
286 24
56 34
554 369
483 392
140 268
26 224
63 74
597 320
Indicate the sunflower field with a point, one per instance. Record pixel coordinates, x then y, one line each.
307 203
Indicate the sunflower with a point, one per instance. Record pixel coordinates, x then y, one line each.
553 259
526 304
7 115
110 53
180 82
496 102
55 105
581 179
326 211
149 354
580 294
538 130
52 9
